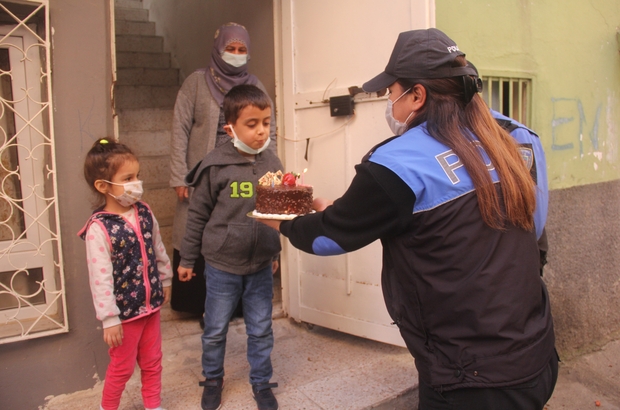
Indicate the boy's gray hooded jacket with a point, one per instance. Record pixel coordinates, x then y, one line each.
217 224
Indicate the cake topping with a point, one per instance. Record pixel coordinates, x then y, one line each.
289 179
278 178
271 179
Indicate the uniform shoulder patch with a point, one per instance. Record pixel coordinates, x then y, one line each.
528 156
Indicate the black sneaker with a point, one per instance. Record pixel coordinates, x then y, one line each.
264 396
212 394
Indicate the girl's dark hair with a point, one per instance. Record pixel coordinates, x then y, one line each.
103 161
241 96
452 121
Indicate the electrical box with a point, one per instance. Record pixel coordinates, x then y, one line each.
341 105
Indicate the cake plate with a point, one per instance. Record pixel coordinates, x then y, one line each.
279 217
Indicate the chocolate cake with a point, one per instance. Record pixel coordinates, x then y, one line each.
279 194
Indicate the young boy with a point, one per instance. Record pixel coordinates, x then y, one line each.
240 253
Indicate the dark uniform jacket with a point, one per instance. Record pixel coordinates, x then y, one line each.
468 300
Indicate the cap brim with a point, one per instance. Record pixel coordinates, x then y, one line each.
380 82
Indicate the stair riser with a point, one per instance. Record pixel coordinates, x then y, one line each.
141 76
146 60
131 14
145 97
138 28
155 170
145 120
143 44
148 143
162 201
128 4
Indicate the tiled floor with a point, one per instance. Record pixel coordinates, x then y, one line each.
316 368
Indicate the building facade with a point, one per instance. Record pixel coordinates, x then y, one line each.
555 67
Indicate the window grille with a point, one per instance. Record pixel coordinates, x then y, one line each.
32 297
509 95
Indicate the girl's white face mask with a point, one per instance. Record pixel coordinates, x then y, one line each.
235 60
397 127
132 192
240 145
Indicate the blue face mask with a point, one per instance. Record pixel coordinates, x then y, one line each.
241 146
235 60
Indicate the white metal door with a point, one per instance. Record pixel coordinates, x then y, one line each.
323 47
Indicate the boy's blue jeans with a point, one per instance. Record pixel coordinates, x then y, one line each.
223 293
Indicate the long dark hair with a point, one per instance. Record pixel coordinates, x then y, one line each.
456 123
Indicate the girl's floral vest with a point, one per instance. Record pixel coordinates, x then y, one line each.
136 293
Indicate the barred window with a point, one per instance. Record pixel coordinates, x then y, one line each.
511 96
32 299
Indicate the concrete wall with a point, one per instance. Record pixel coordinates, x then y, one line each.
188 28
582 273
571 50
81 79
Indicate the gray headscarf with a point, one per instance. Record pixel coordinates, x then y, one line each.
221 76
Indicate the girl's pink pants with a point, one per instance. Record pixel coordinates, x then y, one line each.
142 344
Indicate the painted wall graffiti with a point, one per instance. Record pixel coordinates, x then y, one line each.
565 111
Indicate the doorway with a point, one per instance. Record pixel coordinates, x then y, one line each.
304 52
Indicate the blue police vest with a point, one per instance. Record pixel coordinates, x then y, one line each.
432 170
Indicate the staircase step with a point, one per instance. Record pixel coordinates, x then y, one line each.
133 14
162 201
147 76
148 143
144 44
130 59
145 92
144 119
128 4
145 96
139 28
155 170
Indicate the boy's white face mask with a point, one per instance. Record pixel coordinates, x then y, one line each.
235 60
240 145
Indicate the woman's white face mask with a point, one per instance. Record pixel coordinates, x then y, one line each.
397 127
235 60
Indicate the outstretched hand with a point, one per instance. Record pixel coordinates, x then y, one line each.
273 223
319 204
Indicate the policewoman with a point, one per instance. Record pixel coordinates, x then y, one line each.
452 201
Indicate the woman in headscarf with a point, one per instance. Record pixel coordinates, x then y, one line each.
197 127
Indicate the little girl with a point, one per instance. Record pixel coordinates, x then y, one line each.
129 271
